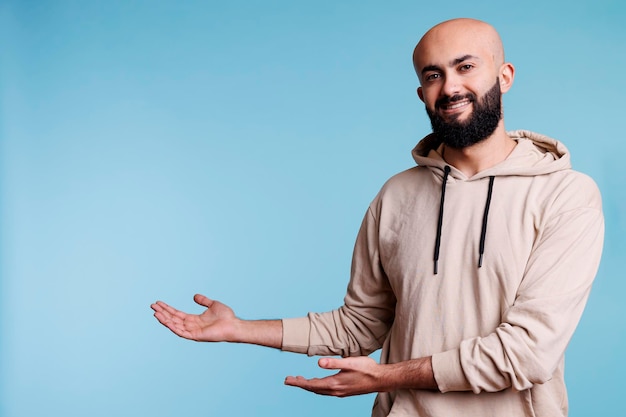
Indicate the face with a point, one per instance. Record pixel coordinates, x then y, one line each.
457 63
477 126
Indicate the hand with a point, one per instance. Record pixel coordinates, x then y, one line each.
358 375
212 325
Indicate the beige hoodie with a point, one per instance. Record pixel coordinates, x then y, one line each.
497 333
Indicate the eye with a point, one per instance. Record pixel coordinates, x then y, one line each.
432 76
465 67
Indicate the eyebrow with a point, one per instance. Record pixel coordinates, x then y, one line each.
462 58
452 63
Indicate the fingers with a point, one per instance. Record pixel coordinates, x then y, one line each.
168 316
178 329
329 385
322 386
156 306
295 381
300 381
166 309
355 377
160 306
174 322
316 385
160 311
167 312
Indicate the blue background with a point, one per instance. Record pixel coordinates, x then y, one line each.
150 150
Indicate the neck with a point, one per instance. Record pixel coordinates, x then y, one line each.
480 156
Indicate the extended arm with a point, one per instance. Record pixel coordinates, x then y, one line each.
218 323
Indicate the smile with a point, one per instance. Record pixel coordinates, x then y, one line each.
456 105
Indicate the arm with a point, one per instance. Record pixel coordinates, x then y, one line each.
359 375
360 326
356 329
218 323
365 330
528 346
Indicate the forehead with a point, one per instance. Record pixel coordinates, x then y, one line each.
448 41
445 49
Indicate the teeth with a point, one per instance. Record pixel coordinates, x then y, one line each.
457 105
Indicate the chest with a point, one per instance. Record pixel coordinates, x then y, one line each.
409 237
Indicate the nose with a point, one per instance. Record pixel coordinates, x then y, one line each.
451 85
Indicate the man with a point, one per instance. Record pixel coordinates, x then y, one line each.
470 270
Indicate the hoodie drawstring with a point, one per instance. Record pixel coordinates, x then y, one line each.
446 172
483 232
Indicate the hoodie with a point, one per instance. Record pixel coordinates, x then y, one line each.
489 275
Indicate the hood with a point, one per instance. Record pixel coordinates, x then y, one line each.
535 154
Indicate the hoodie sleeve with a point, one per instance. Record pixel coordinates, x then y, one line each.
526 348
360 326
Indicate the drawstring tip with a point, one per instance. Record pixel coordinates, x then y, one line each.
436 267
480 260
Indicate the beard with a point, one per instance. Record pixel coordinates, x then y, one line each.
480 124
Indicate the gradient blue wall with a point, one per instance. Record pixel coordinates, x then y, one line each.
150 150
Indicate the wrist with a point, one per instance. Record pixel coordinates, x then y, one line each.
235 331
258 332
387 376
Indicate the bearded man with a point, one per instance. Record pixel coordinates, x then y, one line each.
470 271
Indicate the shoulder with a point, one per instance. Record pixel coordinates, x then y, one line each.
405 184
407 179
406 191
575 189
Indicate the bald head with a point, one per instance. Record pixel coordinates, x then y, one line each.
459 37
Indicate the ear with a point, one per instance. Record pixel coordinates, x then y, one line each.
507 75
420 94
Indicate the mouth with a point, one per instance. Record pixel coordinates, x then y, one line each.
455 106
454 110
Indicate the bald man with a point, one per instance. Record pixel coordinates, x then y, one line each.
470 270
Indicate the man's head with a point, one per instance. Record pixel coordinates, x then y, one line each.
461 68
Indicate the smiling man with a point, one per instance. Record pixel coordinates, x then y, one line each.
462 72
470 271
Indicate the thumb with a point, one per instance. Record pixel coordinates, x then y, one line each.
332 363
203 300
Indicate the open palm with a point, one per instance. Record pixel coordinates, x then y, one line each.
209 326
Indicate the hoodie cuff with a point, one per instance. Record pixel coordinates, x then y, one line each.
449 372
296 335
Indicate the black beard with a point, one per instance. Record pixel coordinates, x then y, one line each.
479 125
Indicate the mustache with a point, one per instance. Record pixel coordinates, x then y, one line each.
444 101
